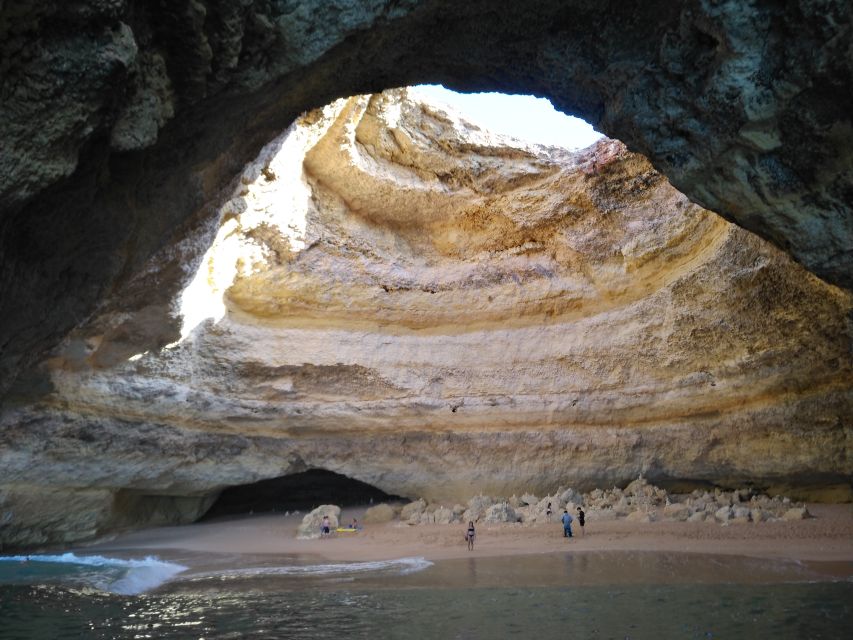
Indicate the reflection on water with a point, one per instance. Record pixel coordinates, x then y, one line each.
807 610
594 595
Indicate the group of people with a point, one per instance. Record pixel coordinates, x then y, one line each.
567 520
326 527
471 532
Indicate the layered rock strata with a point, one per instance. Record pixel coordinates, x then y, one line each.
121 119
392 294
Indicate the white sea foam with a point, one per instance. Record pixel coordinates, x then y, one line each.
399 566
135 576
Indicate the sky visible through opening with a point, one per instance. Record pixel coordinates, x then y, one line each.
525 117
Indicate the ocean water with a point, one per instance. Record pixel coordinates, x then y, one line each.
589 595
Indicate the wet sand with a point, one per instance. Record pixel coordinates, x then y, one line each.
827 539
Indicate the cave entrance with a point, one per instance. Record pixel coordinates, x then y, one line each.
296 492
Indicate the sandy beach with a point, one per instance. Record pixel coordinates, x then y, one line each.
825 538
250 576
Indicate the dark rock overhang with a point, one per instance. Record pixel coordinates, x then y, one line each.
120 121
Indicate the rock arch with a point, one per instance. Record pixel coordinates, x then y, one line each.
121 120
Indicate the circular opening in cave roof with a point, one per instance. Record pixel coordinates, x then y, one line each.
522 117
271 210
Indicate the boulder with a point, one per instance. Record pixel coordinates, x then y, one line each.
723 514
740 513
761 500
413 510
380 513
697 516
310 527
477 507
570 495
542 505
500 513
639 487
527 515
527 500
622 507
443 515
757 515
677 511
796 513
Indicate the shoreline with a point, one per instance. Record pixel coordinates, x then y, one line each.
825 538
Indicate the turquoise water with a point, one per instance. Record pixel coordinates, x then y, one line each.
605 595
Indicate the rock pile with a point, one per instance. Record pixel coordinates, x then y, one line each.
640 501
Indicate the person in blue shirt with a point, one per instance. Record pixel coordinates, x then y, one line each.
567 524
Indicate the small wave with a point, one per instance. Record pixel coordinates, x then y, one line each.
136 576
399 566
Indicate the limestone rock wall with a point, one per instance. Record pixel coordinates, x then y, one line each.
121 120
389 293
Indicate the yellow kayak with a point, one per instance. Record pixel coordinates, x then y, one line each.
345 530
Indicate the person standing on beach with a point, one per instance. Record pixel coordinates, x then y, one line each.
567 524
325 527
581 516
469 535
548 512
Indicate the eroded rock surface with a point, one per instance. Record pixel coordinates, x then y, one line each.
120 120
391 294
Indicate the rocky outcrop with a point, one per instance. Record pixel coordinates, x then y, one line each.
391 294
312 523
121 120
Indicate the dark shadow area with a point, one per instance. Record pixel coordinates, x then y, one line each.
298 491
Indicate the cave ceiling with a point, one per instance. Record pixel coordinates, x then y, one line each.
121 120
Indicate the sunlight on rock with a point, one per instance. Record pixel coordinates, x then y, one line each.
263 223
